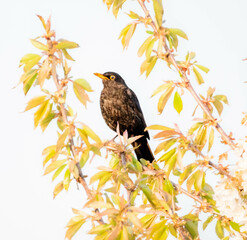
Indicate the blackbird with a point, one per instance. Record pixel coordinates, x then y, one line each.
119 104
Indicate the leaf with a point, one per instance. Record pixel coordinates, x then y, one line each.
74 225
149 195
134 219
84 84
218 105
91 134
222 98
198 76
80 93
27 84
39 45
133 15
65 44
187 171
34 102
45 122
178 32
165 134
201 137
66 180
164 98
164 146
192 227
150 48
162 88
116 6
67 55
61 139
199 176
209 220
42 21
194 128
144 46
170 164
204 69
235 226
158 127
167 155
158 9
29 60
58 188
127 33
151 65
211 139
177 102
40 113
44 72
219 229
54 165
58 171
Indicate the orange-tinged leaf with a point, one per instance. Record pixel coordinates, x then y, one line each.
74 225
133 139
165 134
61 139
134 219
34 102
129 35
80 93
58 188
42 21
164 98
98 204
54 165
44 72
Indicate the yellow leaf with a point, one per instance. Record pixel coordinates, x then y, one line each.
65 44
40 113
54 165
66 180
80 93
27 84
58 188
158 9
91 134
177 102
34 102
61 139
164 98
39 45
198 76
158 127
84 84
143 47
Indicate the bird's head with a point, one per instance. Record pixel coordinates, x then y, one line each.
110 77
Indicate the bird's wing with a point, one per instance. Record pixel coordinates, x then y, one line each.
137 107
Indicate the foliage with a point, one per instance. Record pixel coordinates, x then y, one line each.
136 200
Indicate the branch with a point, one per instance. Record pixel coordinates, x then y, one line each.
188 85
59 87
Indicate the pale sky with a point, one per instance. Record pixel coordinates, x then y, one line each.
217 33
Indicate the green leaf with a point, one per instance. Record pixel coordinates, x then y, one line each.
198 76
29 82
218 105
65 44
133 15
194 128
58 171
209 220
211 139
204 69
177 102
158 9
39 45
144 46
167 155
80 93
54 165
222 98
149 195
66 180
178 32
164 98
34 102
235 226
150 48
219 229
61 139
187 171
199 176
84 84
192 227
201 137
45 122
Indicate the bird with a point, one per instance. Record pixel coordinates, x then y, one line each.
119 105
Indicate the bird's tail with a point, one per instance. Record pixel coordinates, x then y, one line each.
143 150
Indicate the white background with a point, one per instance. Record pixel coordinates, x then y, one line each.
217 33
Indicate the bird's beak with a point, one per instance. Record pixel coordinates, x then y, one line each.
101 76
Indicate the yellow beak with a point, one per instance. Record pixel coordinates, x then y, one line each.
101 76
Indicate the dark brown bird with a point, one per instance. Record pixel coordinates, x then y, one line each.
119 104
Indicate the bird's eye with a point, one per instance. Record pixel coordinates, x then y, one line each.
112 77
